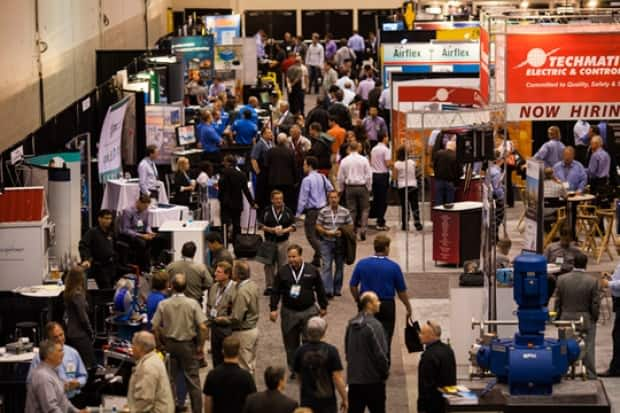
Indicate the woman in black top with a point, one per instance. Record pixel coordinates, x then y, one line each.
80 334
182 186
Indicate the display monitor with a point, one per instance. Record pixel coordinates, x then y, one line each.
186 135
265 97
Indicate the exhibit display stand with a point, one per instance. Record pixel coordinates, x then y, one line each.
185 231
25 236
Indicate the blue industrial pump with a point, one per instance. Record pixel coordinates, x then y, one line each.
530 363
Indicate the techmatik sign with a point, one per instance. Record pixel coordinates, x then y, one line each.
563 76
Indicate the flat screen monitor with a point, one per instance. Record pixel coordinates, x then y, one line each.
265 98
186 135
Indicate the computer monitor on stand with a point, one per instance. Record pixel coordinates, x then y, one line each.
186 135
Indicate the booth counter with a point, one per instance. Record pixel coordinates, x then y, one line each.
456 232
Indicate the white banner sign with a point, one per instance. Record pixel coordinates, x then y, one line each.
562 111
427 53
109 155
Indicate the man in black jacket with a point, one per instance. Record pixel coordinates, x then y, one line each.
437 368
320 149
447 171
297 284
97 251
281 169
368 363
318 114
233 184
339 111
271 400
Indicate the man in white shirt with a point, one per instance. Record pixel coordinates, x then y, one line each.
147 172
355 179
315 57
343 81
380 162
349 94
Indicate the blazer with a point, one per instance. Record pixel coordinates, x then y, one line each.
233 184
350 243
280 162
181 198
271 401
577 295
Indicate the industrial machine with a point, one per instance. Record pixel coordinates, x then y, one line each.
529 363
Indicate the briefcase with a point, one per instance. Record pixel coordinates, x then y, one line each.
246 245
267 252
412 337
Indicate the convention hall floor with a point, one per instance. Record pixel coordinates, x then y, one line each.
429 294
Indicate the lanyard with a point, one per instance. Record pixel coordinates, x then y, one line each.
220 295
276 216
334 215
297 276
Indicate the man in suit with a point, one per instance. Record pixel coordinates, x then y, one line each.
233 184
271 400
437 368
286 118
577 295
281 169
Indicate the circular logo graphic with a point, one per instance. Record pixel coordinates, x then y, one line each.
536 57
442 94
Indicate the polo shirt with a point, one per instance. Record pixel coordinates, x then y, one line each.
380 275
245 130
229 385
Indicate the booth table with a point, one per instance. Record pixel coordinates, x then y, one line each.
456 232
183 232
158 216
122 193
13 373
49 291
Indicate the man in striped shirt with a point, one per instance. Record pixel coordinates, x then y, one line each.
328 224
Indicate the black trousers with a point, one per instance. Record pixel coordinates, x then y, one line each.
84 346
233 217
262 189
362 396
104 275
412 198
218 334
380 185
296 99
315 78
387 318
142 250
614 364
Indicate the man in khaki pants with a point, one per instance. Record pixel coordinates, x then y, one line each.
244 316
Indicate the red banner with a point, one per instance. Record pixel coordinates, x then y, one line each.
551 76
440 94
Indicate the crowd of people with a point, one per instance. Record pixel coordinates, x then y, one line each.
315 172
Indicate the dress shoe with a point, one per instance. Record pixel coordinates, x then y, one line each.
268 291
362 236
292 377
418 226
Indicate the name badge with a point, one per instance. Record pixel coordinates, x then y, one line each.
213 313
559 260
70 369
295 291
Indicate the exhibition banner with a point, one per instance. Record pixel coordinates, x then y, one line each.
533 235
196 52
562 76
429 53
109 155
440 94
225 28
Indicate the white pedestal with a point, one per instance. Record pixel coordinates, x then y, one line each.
183 232
471 302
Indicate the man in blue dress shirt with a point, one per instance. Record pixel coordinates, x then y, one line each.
571 171
147 172
312 197
384 277
72 371
598 172
551 151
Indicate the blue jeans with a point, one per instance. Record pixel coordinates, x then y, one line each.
444 192
331 251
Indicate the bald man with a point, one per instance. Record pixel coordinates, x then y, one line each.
437 368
